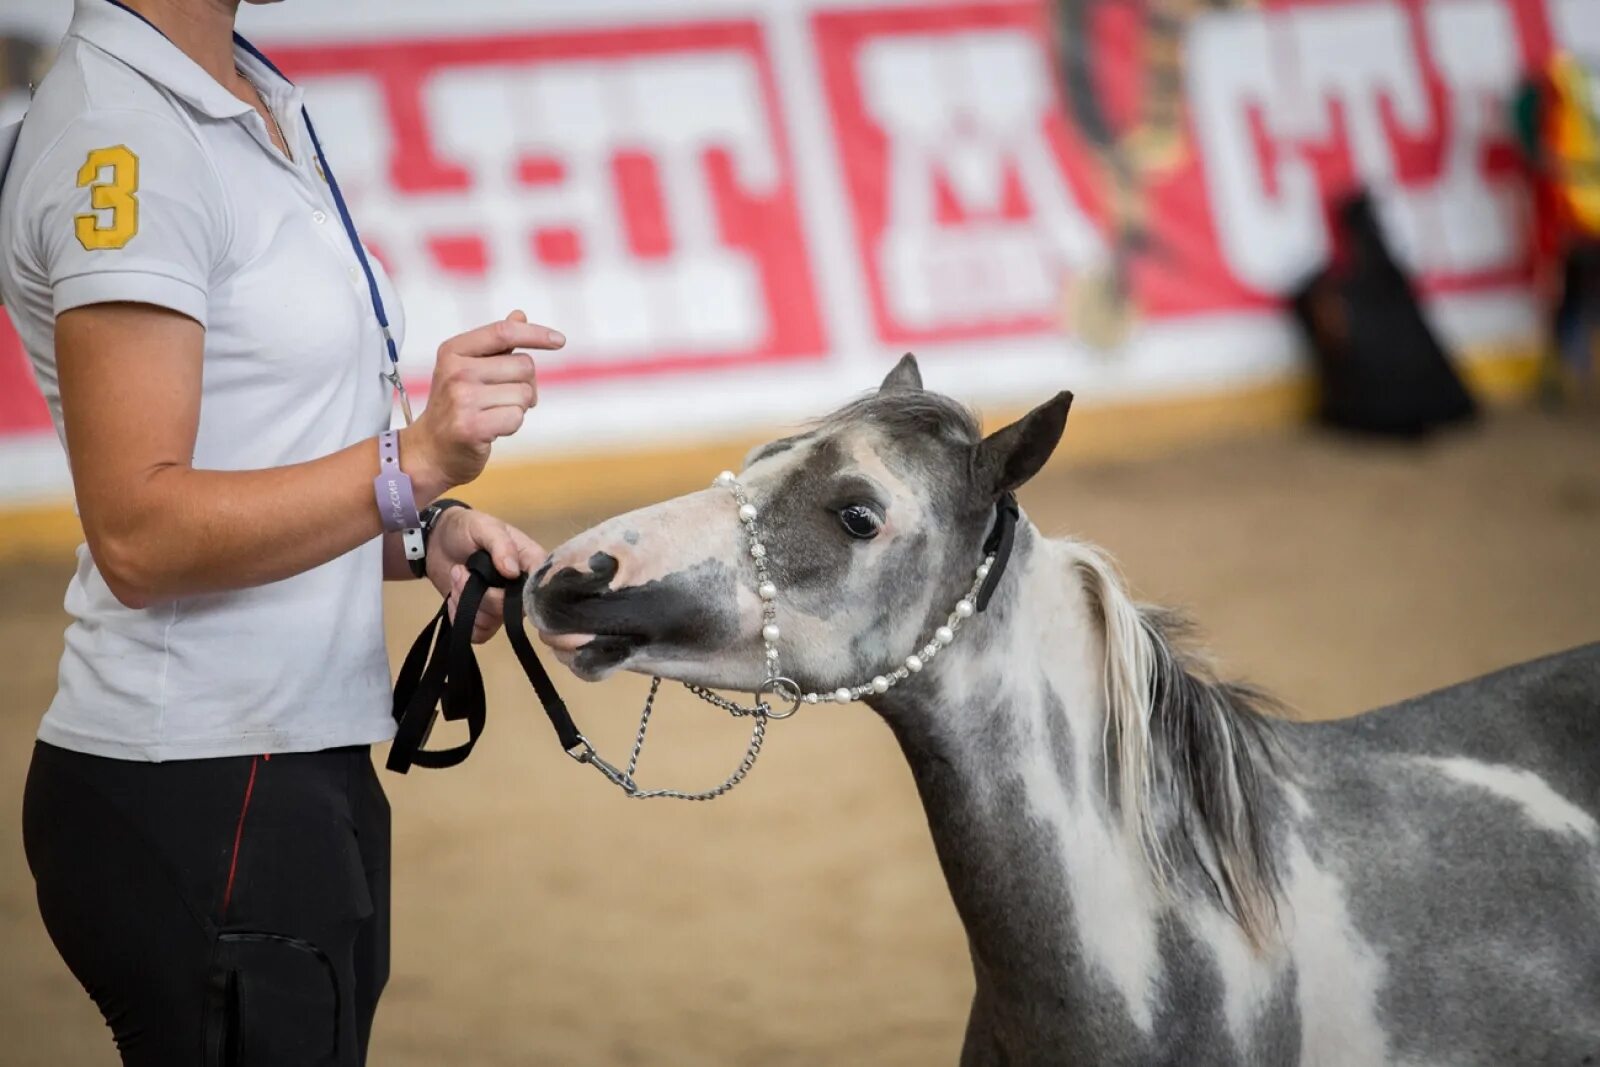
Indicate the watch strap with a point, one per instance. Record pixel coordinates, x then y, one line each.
430 516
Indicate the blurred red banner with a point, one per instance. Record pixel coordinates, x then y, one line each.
995 171
1162 165
636 181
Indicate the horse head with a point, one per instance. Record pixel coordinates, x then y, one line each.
871 520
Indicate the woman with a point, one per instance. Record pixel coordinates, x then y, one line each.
209 840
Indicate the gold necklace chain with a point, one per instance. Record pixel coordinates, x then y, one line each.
266 107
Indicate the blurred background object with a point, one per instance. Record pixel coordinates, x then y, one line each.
23 60
741 212
1380 369
28 473
1556 116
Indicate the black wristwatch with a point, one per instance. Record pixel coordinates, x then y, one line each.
429 516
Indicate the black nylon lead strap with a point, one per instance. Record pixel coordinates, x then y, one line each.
450 678
445 679
417 690
554 707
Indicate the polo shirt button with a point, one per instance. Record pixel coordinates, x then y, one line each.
319 217
354 274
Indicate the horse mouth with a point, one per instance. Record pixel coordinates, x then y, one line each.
595 629
591 656
569 641
579 626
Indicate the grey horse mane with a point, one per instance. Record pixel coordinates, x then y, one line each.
1192 755
906 413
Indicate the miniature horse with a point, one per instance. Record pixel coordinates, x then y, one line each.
1151 866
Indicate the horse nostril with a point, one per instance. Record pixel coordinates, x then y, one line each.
603 565
565 597
567 585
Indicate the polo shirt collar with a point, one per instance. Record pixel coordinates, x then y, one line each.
126 35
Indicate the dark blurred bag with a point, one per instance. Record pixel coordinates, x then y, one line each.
1380 367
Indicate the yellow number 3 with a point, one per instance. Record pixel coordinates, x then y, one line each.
116 196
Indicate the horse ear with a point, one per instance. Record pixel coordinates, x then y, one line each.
904 377
1012 454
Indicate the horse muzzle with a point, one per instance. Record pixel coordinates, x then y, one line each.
596 627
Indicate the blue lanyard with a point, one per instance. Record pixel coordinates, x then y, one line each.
393 377
350 231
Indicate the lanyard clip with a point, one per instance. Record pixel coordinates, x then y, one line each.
393 378
393 375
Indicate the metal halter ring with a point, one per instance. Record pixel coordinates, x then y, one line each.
784 689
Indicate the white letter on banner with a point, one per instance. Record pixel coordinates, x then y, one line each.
1269 239
703 296
1576 25
1463 223
966 107
717 104
1363 56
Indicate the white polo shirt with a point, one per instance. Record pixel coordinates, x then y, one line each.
138 178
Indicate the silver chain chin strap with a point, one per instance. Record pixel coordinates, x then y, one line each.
759 714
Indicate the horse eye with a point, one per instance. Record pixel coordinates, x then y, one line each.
860 521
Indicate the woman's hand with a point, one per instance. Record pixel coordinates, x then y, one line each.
457 534
482 388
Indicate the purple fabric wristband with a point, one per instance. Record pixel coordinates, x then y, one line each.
392 487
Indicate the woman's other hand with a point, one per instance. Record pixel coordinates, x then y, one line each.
482 388
458 533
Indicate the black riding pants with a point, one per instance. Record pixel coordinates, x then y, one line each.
225 912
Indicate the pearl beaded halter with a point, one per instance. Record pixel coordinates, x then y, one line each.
767 589
996 550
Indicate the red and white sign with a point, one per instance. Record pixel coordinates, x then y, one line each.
633 185
951 132
739 218
974 196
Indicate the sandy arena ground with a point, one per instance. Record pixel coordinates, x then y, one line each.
541 918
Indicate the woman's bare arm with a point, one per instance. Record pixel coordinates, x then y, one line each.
158 528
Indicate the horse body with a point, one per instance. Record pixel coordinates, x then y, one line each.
1461 932
1151 867
1465 826
1076 959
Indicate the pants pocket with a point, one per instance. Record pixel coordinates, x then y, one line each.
274 1001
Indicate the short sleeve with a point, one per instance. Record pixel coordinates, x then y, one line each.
126 206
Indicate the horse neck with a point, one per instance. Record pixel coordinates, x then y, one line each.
1006 742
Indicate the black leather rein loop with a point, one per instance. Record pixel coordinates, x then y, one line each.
447 679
